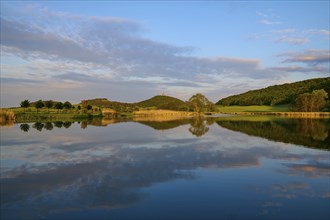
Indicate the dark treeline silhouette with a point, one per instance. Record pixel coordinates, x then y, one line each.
313 133
198 125
46 125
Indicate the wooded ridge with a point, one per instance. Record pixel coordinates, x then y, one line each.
277 94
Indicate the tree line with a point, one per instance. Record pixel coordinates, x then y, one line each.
277 94
197 103
311 102
50 104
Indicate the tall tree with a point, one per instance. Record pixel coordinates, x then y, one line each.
319 99
67 105
58 106
39 104
89 107
311 102
200 103
25 104
49 104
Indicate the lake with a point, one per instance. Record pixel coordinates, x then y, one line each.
200 168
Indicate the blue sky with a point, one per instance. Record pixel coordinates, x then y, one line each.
133 50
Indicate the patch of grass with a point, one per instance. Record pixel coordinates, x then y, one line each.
32 114
253 108
260 118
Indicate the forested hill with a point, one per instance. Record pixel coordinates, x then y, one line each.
163 102
158 102
277 94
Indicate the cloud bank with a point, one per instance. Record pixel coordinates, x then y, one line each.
73 57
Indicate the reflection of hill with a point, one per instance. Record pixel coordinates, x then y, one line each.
164 125
313 133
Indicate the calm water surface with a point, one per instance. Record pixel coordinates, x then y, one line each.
219 168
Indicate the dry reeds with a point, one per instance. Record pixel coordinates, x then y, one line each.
161 115
6 117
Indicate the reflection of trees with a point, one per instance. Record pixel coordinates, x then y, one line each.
306 132
58 124
83 124
25 127
49 126
38 125
312 128
210 120
67 124
198 126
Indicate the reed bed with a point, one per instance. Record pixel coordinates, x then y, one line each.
7 117
160 115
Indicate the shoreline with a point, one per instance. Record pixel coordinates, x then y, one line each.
142 115
284 114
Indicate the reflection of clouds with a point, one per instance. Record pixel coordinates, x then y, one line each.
272 204
289 190
291 186
309 169
283 195
223 145
326 195
106 167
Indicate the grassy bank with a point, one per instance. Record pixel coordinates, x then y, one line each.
292 114
32 114
278 110
253 108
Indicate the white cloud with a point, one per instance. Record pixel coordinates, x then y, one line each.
261 14
269 22
293 40
311 57
318 32
284 31
71 56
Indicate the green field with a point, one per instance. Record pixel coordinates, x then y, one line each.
253 108
32 114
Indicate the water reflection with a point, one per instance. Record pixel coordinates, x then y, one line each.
25 127
314 133
118 168
198 126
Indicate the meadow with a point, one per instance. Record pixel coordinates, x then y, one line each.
33 114
253 108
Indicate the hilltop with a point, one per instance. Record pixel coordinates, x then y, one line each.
156 102
105 103
163 102
277 94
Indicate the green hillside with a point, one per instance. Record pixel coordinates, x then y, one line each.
164 102
277 94
105 103
158 102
